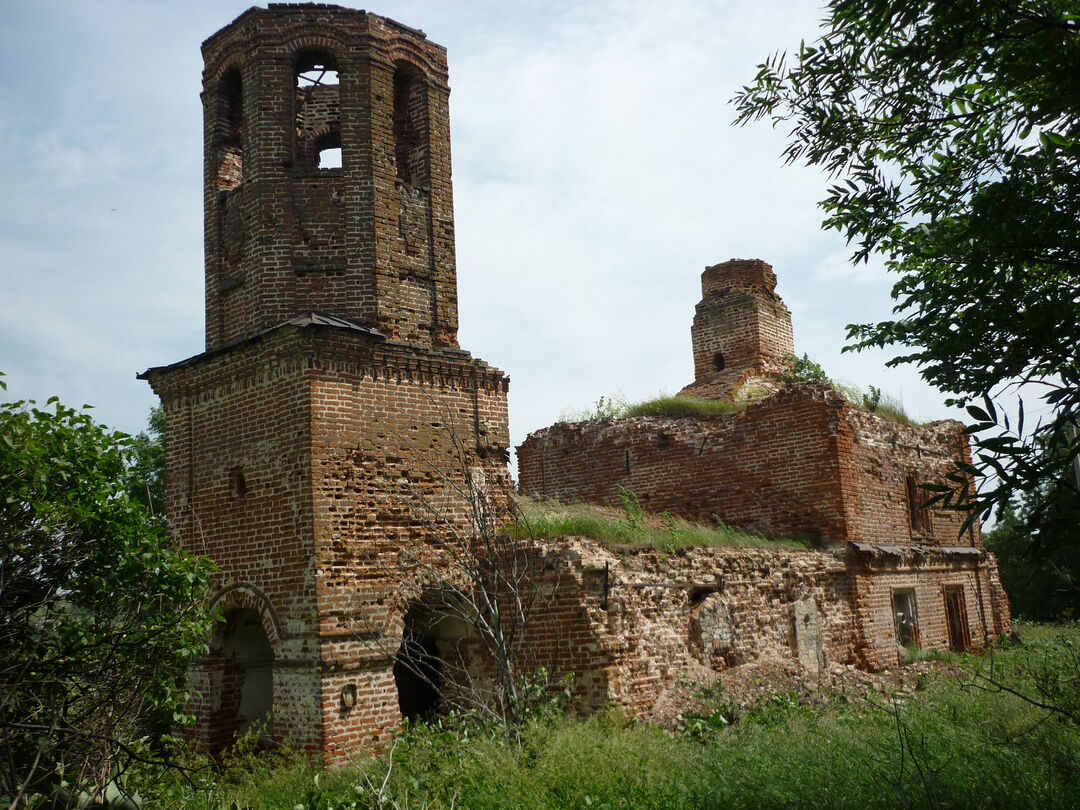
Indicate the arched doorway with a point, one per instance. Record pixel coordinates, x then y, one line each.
431 637
247 678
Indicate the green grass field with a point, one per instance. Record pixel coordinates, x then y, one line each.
958 741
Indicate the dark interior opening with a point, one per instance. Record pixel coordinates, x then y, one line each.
230 152
718 361
409 120
416 673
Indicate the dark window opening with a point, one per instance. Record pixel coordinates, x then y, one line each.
230 150
905 618
237 483
918 514
718 361
318 112
410 124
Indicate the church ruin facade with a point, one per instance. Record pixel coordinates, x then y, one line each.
332 409
797 461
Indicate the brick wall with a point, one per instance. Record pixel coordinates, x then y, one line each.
882 455
741 330
772 468
629 625
305 463
878 574
284 237
800 463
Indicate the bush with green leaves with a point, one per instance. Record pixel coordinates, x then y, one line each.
99 614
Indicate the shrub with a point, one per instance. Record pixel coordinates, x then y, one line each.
100 614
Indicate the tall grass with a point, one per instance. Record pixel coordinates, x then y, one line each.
631 528
953 742
876 401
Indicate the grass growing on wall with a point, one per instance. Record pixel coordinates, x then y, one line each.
666 406
632 527
662 405
804 370
952 742
675 407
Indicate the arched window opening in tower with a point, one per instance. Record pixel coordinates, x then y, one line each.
230 150
318 112
313 69
410 125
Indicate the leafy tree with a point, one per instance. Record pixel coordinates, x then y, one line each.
99 615
146 468
1035 543
952 131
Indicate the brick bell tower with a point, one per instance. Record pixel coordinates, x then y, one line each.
332 393
741 330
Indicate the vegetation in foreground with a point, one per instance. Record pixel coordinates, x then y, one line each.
99 614
958 740
632 528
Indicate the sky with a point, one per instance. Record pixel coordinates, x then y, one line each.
596 174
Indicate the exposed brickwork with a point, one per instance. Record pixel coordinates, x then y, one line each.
801 462
883 455
772 468
324 448
367 241
638 621
741 331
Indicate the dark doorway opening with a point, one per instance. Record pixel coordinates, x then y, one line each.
417 675
419 671
956 618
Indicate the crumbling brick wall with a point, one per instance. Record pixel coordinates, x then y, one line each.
630 625
879 572
366 241
772 468
800 463
741 332
886 463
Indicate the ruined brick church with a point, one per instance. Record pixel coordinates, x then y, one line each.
332 397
